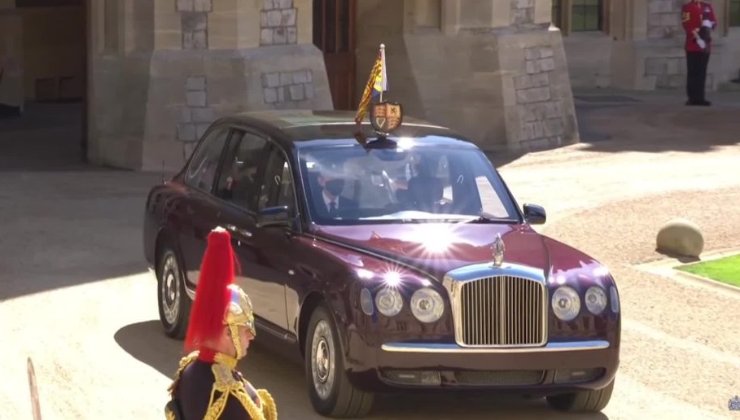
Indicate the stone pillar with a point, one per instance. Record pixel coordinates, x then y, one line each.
651 54
184 63
492 70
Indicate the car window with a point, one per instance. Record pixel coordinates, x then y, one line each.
204 164
277 187
349 184
239 178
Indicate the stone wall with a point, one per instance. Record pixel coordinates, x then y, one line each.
189 91
506 87
288 87
522 12
664 19
278 23
209 59
540 110
194 23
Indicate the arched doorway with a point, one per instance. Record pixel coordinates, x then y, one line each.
334 34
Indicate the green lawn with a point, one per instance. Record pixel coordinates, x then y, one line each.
726 270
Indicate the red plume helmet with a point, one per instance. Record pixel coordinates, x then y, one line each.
212 293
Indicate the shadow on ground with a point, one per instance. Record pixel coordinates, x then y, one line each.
655 123
68 228
146 342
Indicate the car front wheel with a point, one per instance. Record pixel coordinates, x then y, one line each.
174 302
582 401
329 388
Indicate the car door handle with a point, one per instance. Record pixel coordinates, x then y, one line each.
237 231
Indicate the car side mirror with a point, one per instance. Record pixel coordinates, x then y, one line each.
275 216
534 214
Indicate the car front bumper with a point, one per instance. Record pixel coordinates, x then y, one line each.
555 367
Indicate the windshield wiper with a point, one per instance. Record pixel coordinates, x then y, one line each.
487 218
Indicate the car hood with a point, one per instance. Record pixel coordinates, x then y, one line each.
436 248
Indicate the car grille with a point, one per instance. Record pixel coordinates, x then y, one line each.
502 311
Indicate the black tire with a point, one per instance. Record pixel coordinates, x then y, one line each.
329 389
582 401
172 299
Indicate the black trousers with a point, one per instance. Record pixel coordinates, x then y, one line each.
696 75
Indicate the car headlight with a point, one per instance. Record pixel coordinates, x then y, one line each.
565 303
595 300
427 305
389 301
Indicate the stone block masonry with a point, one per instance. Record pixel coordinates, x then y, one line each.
194 23
540 113
664 19
287 86
278 23
195 115
522 12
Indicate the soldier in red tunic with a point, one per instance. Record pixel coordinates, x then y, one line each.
698 22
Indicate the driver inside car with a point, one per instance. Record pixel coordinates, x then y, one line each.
330 202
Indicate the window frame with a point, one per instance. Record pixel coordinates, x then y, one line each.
564 17
272 150
234 142
200 148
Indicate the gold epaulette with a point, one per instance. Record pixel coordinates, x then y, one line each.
184 362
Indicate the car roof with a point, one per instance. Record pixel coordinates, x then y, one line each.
299 127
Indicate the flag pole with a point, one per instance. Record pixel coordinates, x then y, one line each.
382 70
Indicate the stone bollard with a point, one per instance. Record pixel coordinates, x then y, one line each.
682 237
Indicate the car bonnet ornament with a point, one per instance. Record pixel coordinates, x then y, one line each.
498 251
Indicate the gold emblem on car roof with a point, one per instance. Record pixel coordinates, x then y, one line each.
386 116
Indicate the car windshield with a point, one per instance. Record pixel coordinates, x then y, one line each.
411 180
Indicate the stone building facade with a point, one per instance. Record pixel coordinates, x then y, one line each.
638 45
155 74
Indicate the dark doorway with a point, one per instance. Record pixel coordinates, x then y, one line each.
334 34
48 65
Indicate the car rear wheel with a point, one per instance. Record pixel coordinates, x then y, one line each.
329 388
582 401
174 302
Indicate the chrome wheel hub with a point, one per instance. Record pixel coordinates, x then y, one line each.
170 289
322 359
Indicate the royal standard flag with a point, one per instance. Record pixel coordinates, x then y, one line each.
377 83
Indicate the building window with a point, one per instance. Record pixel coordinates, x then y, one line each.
734 15
586 15
580 15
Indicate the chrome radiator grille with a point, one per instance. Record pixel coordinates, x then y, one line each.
501 311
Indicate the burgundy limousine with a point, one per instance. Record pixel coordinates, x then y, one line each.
386 262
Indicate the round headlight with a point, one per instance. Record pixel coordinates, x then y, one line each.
427 305
595 300
565 303
389 301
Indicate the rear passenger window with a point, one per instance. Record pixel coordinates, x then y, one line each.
239 178
203 166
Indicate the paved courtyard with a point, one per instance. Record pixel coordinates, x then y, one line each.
76 297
